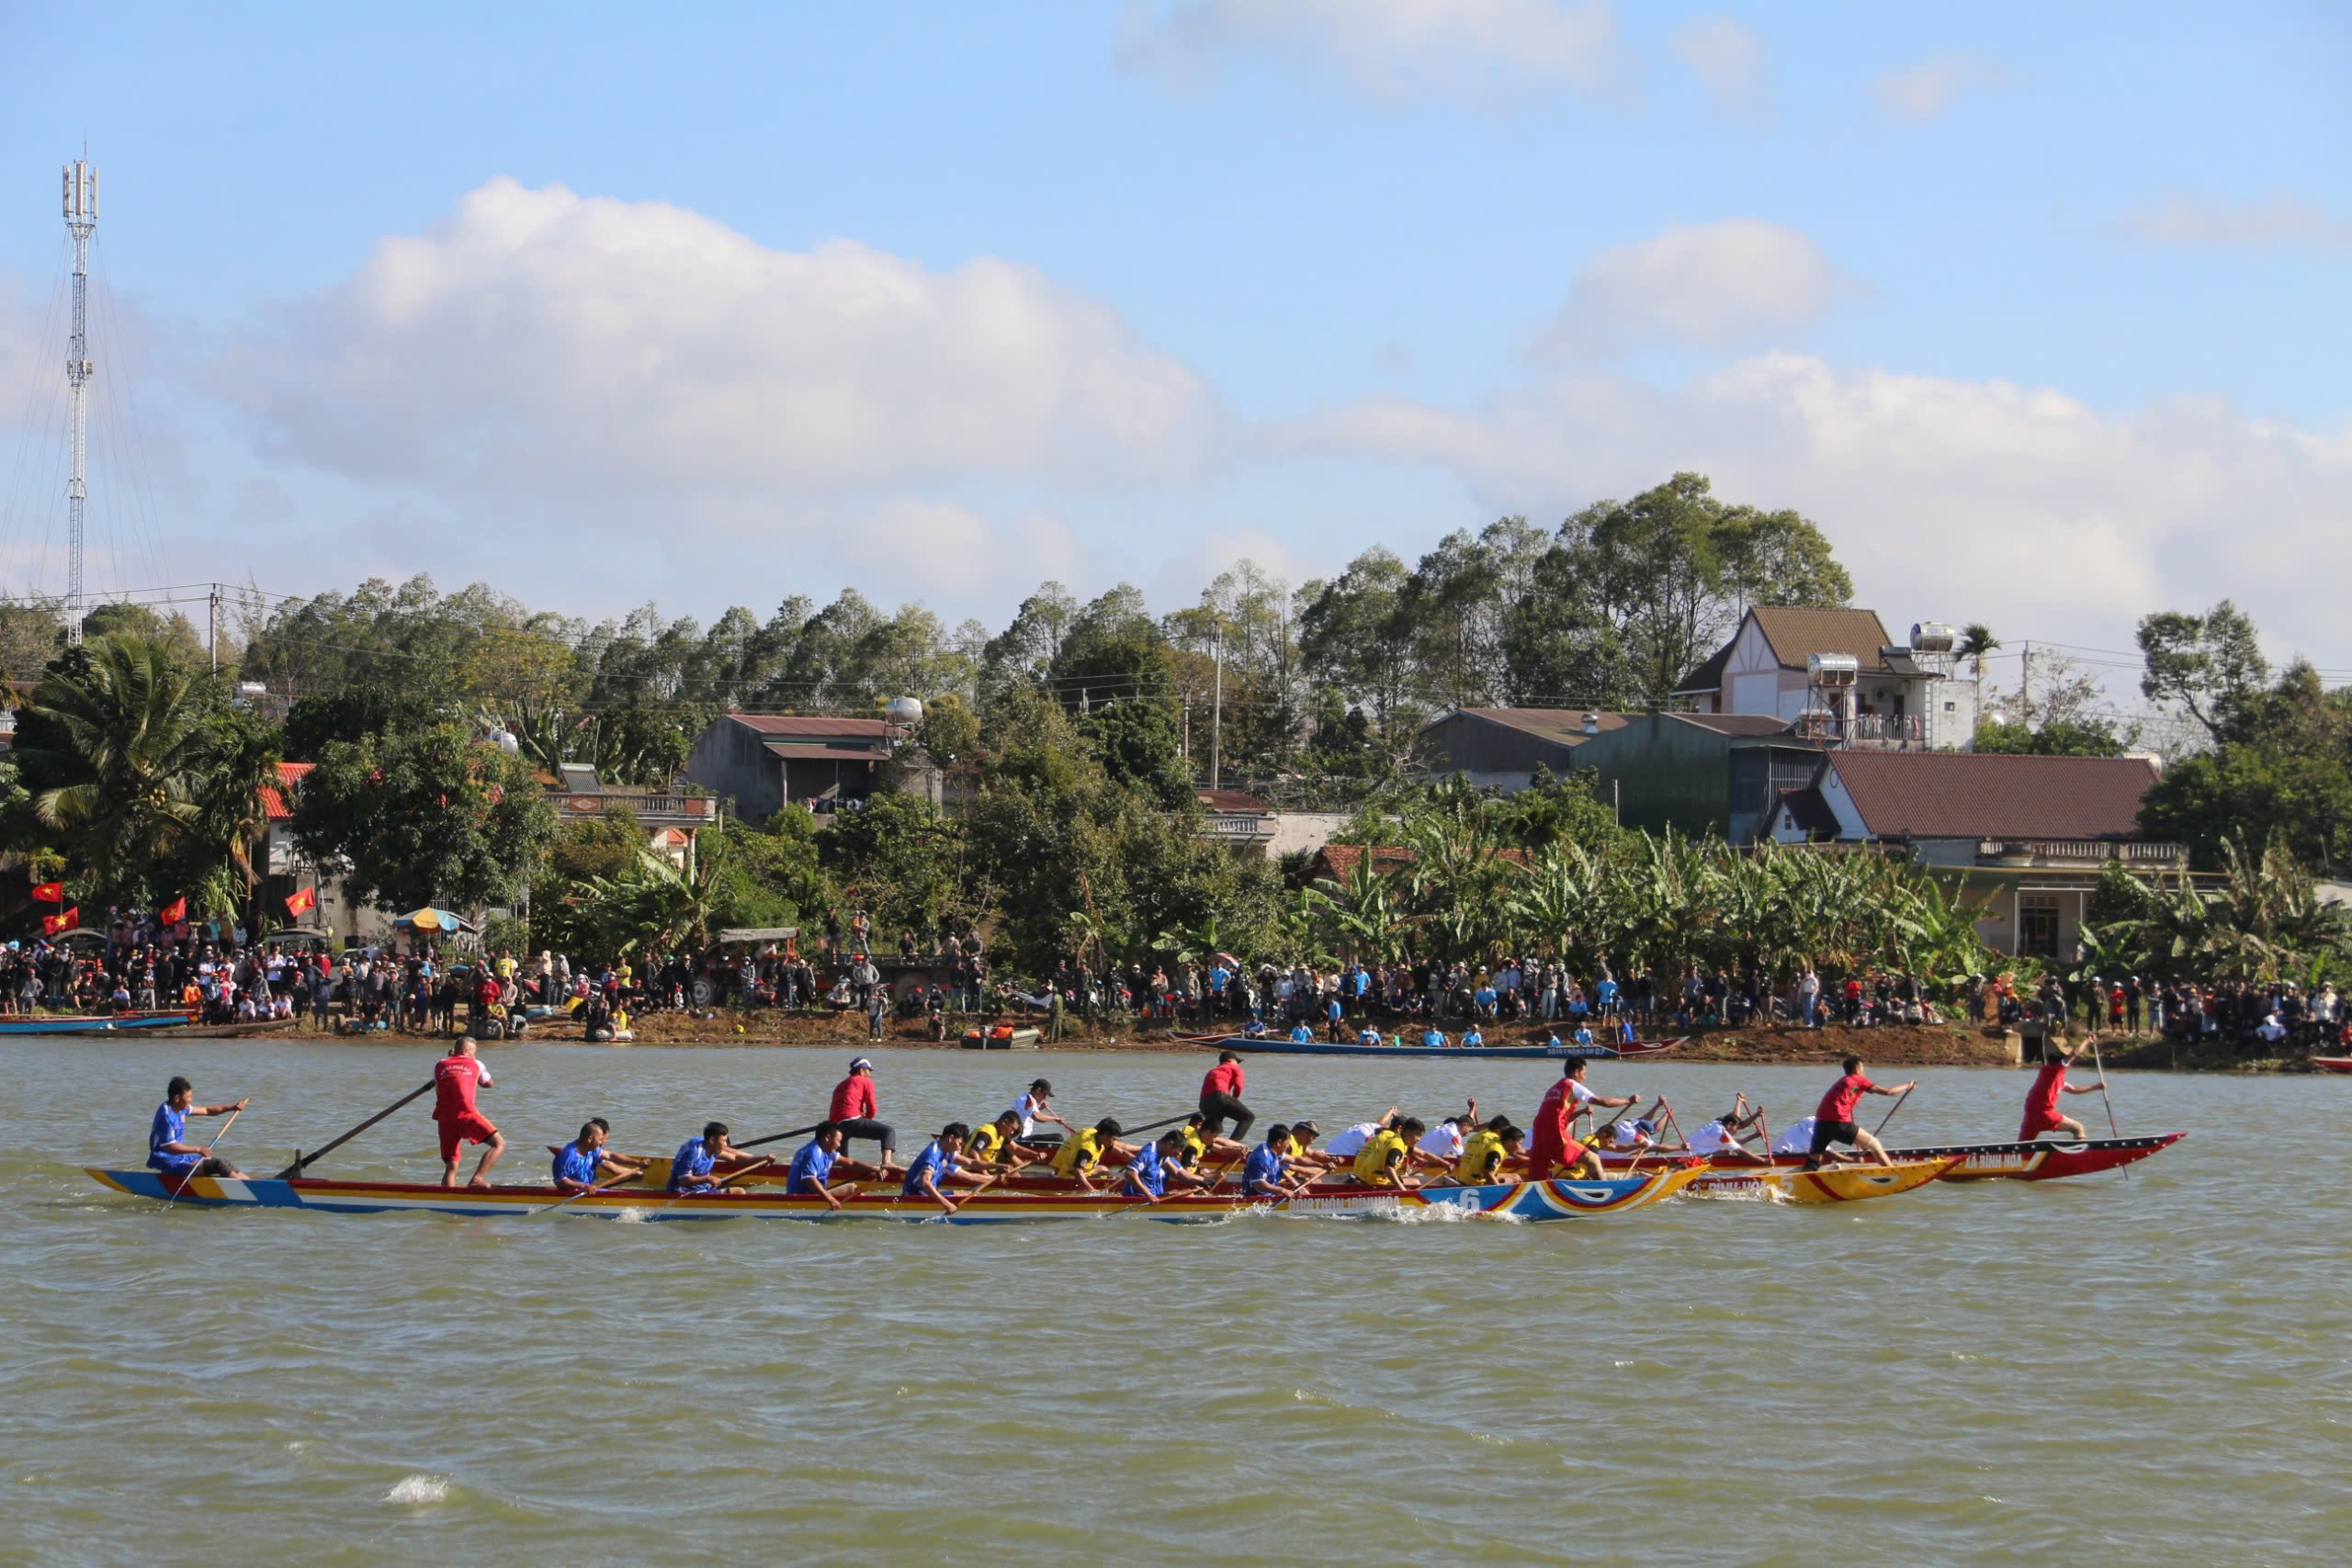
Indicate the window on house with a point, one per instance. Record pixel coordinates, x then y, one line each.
2038 925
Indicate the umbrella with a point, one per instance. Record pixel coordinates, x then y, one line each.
432 919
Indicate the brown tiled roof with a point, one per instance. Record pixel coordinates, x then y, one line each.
1796 634
1233 800
783 724
1954 794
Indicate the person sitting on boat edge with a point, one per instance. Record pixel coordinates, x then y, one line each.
1432 1038
813 1166
1833 1121
1583 1035
691 1171
939 1166
1083 1153
1386 1157
580 1163
2041 1100
1370 1036
1268 1167
1221 1090
169 1151
1473 1038
1255 1028
1301 1033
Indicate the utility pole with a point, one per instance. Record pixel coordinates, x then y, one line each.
1217 710
81 220
2025 686
212 629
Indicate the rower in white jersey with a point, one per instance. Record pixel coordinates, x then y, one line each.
1031 1106
1726 1134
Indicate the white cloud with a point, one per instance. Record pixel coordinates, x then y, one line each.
1730 58
1704 284
1933 85
547 343
905 548
2183 218
1390 50
2020 506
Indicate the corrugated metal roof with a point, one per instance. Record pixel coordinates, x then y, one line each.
846 751
812 725
1565 725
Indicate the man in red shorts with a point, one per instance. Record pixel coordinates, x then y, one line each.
1833 1121
455 1078
2041 1100
1552 1147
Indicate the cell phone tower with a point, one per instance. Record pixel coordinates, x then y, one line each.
81 218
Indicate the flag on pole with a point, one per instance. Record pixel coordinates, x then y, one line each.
50 892
70 920
302 901
173 913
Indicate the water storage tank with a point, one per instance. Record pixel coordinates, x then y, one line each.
1933 636
904 710
1832 669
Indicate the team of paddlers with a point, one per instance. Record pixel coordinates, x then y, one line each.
1196 1155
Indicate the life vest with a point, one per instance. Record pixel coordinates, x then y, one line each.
1373 1161
987 1139
1081 1151
1482 1153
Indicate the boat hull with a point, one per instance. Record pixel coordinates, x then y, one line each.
1273 1046
2041 1160
120 1022
2333 1064
1527 1200
1831 1184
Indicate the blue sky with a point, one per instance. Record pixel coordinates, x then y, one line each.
2038 311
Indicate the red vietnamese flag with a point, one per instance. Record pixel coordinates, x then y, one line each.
70 920
50 892
173 913
301 900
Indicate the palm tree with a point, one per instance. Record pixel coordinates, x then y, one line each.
1976 641
163 784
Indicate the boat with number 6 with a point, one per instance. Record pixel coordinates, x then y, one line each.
1517 1201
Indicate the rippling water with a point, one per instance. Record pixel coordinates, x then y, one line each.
2150 1367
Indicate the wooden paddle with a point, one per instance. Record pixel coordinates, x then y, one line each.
734 1174
206 1155
1891 1110
302 1159
779 1137
2095 1062
590 1192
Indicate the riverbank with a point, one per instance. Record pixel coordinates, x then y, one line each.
1894 1046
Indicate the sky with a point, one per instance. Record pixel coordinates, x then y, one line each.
2039 311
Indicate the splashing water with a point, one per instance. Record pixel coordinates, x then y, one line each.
414 1491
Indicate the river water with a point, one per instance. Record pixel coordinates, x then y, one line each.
2152 1367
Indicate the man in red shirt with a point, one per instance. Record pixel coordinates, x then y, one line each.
1552 1147
1221 1097
1833 1121
2041 1100
854 1109
455 1078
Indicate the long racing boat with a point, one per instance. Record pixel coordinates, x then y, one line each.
1521 1201
2033 1160
90 1023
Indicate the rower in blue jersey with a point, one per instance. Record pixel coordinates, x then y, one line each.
1583 1036
939 1166
697 1157
1370 1036
1432 1038
1269 1166
581 1163
1255 1028
1301 1034
1472 1038
813 1168
1146 1173
168 1149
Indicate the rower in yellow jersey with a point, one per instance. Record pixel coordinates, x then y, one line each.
992 1146
1083 1153
1386 1157
1484 1154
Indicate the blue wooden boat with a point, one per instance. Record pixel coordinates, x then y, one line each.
85 1023
1283 1045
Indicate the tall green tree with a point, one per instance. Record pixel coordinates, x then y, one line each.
435 817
